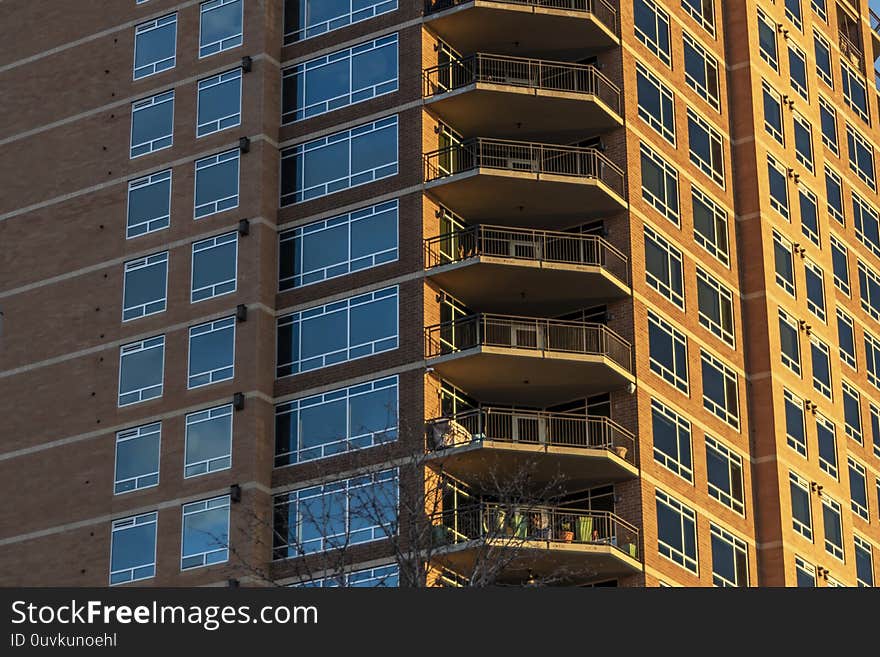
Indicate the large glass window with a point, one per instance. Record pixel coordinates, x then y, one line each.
869 290
339 79
730 558
214 267
337 332
216 183
304 19
795 424
339 245
806 574
137 458
208 441
833 523
335 422
861 156
784 262
701 71
337 514
705 147
652 28
149 204
872 359
773 123
205 534
797 69
715 302
340 161
855 91
821 366
702 11
828 118
852 412
809 215
145 286
867 223
379 577
720 390
789 342
671 434
834 194
840 262
133 548
858 489
211 352
220 26
663 267
656 103
801 508
803 141
668 352
219 103
826 438
659 184
677 532
152 124
155 46
141 370
710 225
815 284
864 562
724 469
823 59
767 40
846 338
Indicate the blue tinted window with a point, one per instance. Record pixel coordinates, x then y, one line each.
335 422
208 441
214 267
216 183
341 78
145 287
211 352
205 539
141 369
137 458
133 548
149 204
338 332
152 124
307 18
339 245
340 161
219 103
155 45
221 26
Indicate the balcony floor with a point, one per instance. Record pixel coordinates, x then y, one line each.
522 30
527 287
506 375
522 113
576 468
569 562
524 199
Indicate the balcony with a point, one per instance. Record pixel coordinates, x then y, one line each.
519 183
498 444
568 29
497 96
547 273
539 362
533 541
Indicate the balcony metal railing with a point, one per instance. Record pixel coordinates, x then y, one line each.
526 244
521 72
507 425
515 525
529 333
527 157
852 50
603 10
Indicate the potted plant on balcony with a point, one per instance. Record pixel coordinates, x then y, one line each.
566 534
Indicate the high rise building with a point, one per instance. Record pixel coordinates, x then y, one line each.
380 292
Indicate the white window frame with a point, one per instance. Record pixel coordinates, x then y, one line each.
674 464
738 547
222 286
729 375
733 460
818 385
157 305
798 444
690 563
227 43
157 223
163 64
727 335
228 202
214 464
203 506
159 143
832 469
122 525
157 342
151 479
672 253
224 122
220 373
